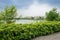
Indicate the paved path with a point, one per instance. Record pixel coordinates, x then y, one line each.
55 36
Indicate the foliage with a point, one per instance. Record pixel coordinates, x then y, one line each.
8 14
58 19
52 15
1 17
27 31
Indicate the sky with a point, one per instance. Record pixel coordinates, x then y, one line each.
31 7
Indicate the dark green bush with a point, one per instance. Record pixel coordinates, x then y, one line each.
27 31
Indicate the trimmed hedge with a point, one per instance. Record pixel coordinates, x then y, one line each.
27 31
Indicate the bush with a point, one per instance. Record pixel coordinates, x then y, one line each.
27 31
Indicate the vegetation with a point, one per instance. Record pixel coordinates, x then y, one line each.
8 14
12 31
52 15
27 31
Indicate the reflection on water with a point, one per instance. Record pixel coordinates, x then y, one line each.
26 21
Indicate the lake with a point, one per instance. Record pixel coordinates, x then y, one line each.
26 21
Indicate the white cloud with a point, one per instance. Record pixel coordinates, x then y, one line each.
35 9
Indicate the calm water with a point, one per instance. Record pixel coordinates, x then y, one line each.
26 21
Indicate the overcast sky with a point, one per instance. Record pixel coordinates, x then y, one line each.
31 7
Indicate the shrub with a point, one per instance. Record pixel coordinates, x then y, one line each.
27 31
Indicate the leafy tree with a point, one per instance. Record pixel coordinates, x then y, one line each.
9 14
1 17
58 19
52 15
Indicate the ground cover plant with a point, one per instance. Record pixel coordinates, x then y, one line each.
27 31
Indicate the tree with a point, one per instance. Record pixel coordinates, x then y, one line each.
58 19
1 17
9 14
52 15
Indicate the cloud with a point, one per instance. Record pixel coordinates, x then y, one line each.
35 9
31 7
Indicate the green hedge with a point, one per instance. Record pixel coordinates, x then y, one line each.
27 31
